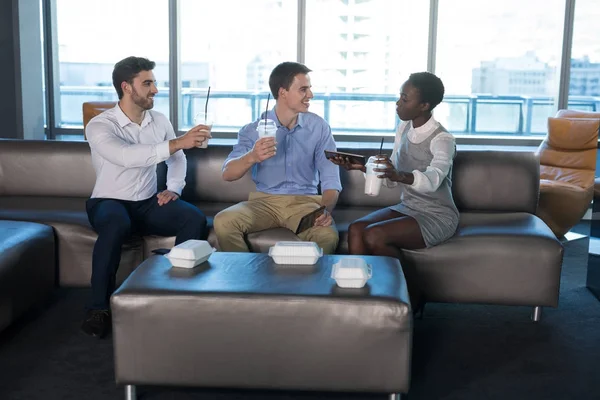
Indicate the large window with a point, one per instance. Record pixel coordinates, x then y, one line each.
499 61
584 85
92 36
360 57
232 46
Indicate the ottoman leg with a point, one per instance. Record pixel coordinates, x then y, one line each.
536 315
130 392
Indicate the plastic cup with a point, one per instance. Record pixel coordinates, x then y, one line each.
204 119
266 128
372 182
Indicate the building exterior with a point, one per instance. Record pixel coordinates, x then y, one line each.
523 76
585 78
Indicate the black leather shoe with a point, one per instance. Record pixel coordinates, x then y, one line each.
97 323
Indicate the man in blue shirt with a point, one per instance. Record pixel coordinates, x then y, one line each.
286 169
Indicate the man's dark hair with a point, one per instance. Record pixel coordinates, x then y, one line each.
127 69
430 88
283 75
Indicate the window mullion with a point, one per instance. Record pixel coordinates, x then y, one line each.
301 42
174 67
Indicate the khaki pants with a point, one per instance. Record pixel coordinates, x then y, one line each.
263 211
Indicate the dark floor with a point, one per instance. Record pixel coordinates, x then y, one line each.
460 352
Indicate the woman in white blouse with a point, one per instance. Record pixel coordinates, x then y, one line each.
421 163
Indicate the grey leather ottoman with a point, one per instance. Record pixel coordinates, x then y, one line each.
27 267
241 321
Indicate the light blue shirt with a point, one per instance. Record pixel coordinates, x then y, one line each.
300 159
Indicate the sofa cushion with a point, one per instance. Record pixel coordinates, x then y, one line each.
576 134
74 235
499 258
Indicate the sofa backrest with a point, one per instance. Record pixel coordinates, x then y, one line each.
496 181
204 181
64 169
45 168
493 180
482 180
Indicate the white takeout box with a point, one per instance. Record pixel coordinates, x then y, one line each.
305 253
351 272
190 253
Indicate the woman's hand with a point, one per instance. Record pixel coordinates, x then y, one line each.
345 163
390 172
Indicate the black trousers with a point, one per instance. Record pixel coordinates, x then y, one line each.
116 220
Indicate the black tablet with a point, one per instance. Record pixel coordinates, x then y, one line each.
308 220
353 158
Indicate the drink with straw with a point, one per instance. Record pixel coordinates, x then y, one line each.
205 118
372 180
266 127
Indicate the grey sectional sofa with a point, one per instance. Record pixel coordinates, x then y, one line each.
501 254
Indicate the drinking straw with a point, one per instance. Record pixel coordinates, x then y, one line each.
206 105
381 146
267 109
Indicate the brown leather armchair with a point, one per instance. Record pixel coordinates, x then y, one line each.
567 169
93 108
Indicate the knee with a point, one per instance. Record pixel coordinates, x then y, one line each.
331 235
115 227
328 239
195 217
356 228
373 236
224 220
196 223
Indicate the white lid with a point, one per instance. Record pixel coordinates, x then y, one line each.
266 123
296 249
372 161
351 268
191 250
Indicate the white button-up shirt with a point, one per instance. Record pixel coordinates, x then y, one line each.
125 155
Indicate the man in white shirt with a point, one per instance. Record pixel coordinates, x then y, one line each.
127 142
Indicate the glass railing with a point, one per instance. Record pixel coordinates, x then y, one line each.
349 113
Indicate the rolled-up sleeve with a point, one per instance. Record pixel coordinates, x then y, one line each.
443 148
103 139
329 173
243 145
176 165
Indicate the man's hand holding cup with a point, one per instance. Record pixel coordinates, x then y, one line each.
196 137
263 149
204 122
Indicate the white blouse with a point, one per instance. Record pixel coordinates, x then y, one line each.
443 147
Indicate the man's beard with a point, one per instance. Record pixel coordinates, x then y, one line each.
144 103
